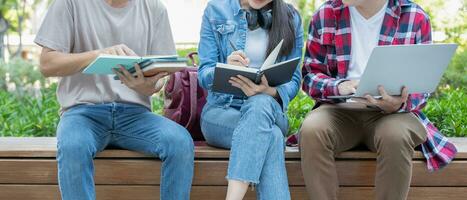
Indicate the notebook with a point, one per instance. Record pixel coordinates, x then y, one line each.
150 65
276 74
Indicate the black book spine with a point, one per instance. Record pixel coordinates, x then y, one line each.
259 74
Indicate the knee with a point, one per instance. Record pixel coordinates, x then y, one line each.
180 144
318 121
75 153
390 137
260 101
277 137
310 126
316 135
317 129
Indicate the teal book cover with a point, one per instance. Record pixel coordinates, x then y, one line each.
104 64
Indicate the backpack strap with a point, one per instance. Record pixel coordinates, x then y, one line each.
191 56
193 76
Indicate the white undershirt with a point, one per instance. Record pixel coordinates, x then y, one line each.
256 46
365 37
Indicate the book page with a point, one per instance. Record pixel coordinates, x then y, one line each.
160 56
237 68
271 59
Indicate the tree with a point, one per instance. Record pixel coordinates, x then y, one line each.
306 9
12 15
3 30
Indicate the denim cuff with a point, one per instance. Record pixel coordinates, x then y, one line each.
284 97
245 180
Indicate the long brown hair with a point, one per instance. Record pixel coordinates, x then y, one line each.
282 27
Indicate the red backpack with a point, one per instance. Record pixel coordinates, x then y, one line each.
184 99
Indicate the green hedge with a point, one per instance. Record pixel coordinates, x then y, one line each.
26 115
31 116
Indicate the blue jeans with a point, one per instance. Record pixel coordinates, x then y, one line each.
85 130
254 131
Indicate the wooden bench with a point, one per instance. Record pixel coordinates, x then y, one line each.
28 170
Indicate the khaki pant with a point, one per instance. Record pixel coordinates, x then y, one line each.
329 130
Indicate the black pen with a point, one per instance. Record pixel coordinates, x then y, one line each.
234 47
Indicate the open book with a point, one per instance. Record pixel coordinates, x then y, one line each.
150 65
276 74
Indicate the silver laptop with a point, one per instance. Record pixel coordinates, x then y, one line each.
418 67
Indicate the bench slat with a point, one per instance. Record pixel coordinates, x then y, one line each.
124 192
45 147
147 172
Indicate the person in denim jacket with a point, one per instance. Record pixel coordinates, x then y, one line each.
253 127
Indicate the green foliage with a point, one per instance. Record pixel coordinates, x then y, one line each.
13 10
448 111
22 74
25 115
307 9
449 18
185 52
456 74
297 111
158 103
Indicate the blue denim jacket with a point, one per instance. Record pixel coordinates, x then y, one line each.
224 20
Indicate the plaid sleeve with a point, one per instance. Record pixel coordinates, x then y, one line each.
317 80
417 101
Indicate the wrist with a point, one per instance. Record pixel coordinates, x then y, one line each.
91 56
394 109
341 88
149 92
272 91
94 54
402 107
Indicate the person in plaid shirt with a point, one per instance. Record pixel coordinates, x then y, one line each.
341 37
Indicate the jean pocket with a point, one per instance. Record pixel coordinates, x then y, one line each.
223 27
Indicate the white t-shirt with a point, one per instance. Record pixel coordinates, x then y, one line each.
256 46
365 37
79 26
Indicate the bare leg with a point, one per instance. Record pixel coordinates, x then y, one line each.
236 190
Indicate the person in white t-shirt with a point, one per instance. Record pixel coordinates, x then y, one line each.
97 111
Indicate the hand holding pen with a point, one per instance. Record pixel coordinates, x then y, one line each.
237 57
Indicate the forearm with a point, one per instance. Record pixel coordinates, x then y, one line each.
319 86
58 64
289 90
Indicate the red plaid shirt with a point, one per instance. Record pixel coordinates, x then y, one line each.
328 56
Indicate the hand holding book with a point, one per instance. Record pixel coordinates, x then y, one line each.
140 83
118 50
150 65
250 88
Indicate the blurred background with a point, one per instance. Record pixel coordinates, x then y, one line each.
28 105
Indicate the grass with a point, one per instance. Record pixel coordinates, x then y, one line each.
448 111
